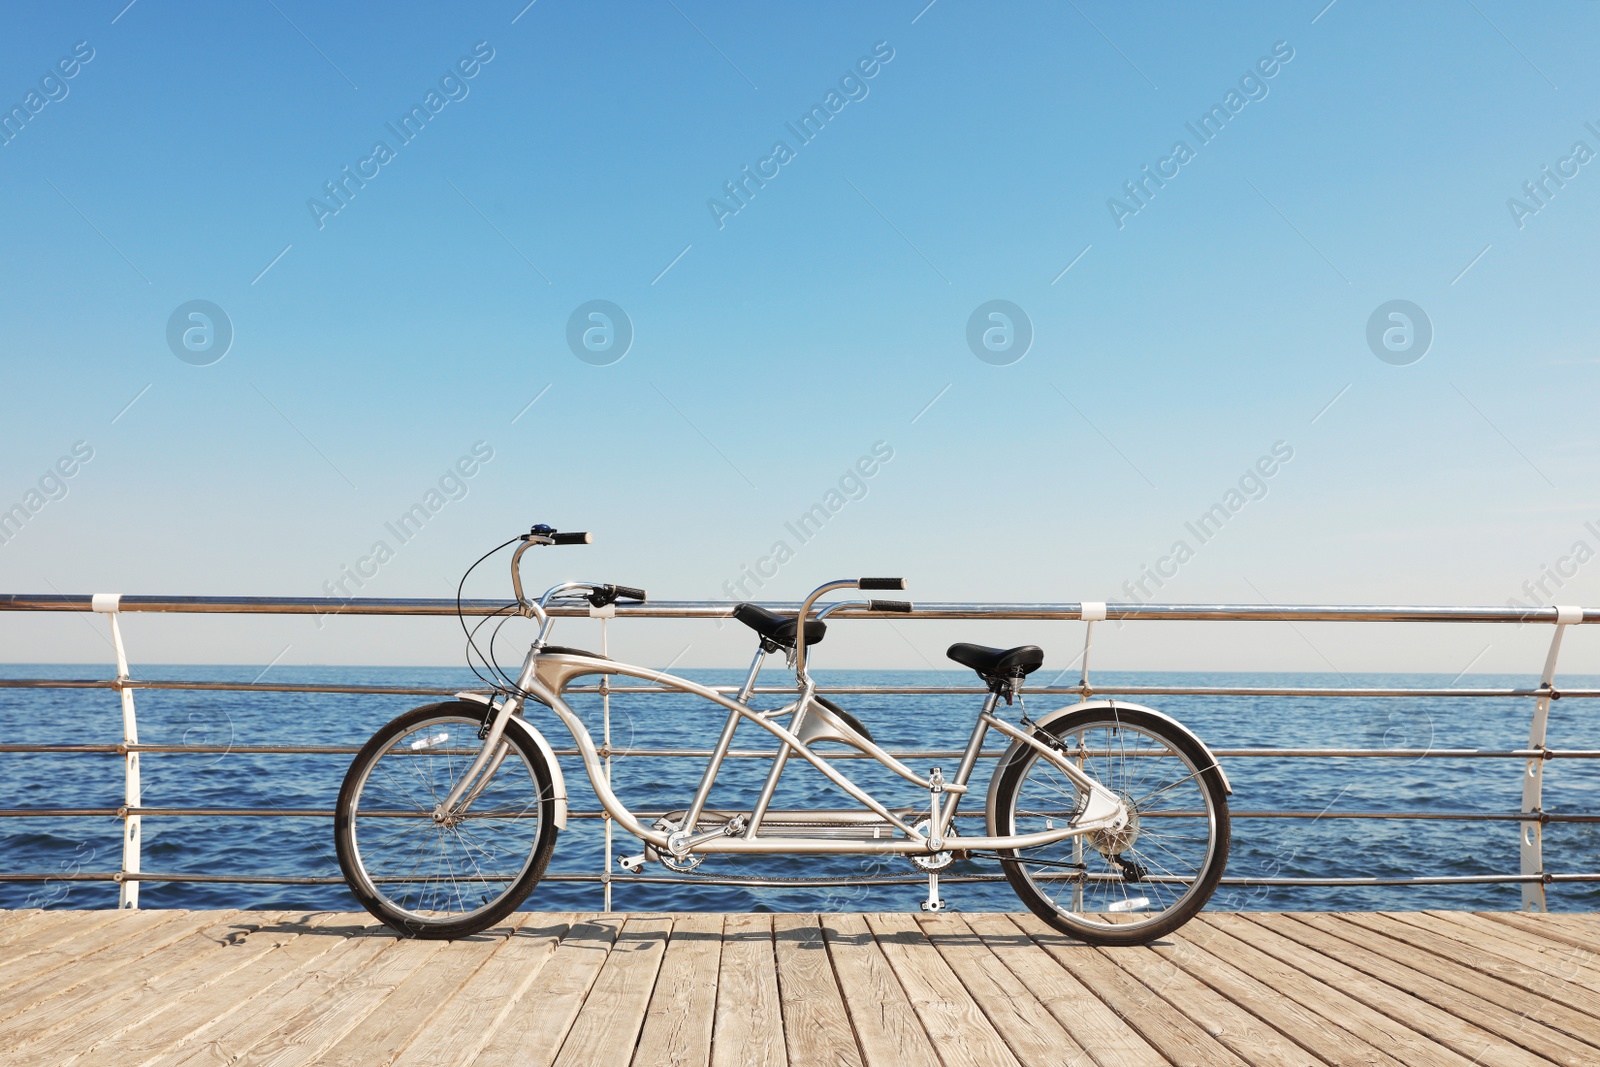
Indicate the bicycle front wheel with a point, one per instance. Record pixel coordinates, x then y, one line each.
1129 886
429 878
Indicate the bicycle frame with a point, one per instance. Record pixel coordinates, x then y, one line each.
545 675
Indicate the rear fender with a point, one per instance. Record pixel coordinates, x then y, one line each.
558 781
1096 705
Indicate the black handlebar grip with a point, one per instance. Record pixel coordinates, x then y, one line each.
571 539
881 583
628 592
900 606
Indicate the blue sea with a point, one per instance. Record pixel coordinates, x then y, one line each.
1329 846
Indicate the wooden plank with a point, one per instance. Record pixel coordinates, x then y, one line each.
885 1023
1203 954
1317 994
1540 926
1580 966
302 1036
1519 965
37 945
64 942
816 1026
608 1025
180 1017
1110 1041
184 968
958 1028
677 1023
1174 1034
1523 947
1498 989
114 949
1542 1027
39 922
1323 955
263 1015
1575 923
18 927
111 1024
1250 1036
748 1031
532 1037
1031 1033
473 1000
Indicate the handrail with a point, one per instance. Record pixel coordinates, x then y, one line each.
1531 818
891 690
709 609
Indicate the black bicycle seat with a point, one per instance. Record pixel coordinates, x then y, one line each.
776 628
998 664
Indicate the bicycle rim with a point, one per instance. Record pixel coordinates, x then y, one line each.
1176 835
429 873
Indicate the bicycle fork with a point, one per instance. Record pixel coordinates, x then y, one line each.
491 755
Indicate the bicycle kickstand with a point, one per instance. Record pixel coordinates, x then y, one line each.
934 901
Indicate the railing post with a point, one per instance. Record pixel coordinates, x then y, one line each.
128 897
1091 612
605 712
1531 834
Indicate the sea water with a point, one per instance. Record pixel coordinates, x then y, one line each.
1332 845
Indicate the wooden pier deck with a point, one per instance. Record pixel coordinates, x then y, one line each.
170 987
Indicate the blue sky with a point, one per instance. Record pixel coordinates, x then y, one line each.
1229 314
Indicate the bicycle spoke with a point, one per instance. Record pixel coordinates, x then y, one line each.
432 871
1169 835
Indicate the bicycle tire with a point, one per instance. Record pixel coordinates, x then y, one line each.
425 749
1194 839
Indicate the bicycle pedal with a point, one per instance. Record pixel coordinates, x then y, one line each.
631 864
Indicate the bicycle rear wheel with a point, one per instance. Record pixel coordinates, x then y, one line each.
1136 884
431 879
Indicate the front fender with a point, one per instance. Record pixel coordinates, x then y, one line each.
1095 705
558 781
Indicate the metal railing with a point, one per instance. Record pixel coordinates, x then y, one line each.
1531 818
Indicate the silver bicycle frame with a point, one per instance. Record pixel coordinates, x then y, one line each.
545 676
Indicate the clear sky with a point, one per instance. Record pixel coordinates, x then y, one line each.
1192 318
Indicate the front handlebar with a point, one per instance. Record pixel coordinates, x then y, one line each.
881 583
598 595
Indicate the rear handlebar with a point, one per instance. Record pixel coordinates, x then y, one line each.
601 595
828 587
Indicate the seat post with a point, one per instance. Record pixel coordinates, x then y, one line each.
724 742
969 758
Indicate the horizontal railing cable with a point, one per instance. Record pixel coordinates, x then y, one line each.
801 883
902 754
328 813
